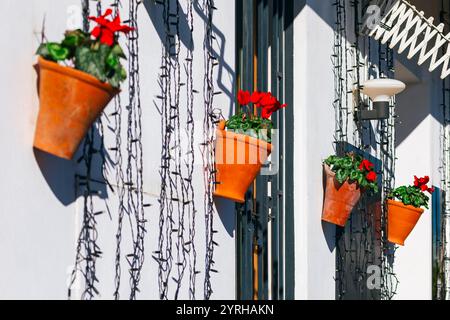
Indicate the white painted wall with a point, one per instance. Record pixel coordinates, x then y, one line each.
419 153
313 136
39 216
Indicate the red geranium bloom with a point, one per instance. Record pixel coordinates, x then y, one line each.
268 110
106 29
270 104
419 182
264 100
371 176
266 113
256 97
366 164
267 100
243 97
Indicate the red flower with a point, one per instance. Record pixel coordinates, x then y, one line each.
264 100
371 176
268 110
270 104
366 164
419 182
243 97
256 97
106 29
267 100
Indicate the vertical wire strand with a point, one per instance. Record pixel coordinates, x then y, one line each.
209 120
87 250
135 166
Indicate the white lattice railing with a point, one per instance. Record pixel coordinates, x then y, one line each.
405 26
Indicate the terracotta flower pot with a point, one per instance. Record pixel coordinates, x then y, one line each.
238 161
340 199
70 102
401 221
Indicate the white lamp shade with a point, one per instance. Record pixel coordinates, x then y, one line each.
381 90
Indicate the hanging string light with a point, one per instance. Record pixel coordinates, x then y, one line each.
176 245
386 145
339 105
189 246
87 250
120 179
129 182
164 254
134 163
210 119
363 242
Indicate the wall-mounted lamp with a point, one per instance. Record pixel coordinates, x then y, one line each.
380 92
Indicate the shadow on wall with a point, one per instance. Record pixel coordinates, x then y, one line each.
225 209
421 98
59 175
224 68
65 178
155 12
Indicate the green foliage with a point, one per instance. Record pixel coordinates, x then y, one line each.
256 127
75 38
102 62
90 56
347 168
53 51
410 195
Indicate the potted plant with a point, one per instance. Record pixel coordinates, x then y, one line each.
78 77
404 213
243 144
346 178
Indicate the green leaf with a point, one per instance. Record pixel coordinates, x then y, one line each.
117 50
43 51
123 73
406 199
364 183
341 175
57 52
91 62
374 187
354 175
112 61
347 163
74 39
244 124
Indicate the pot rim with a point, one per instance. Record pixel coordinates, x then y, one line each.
402 205
81 75
328 170
244 138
